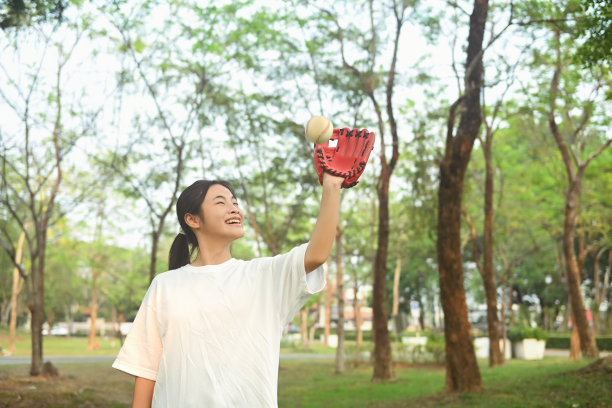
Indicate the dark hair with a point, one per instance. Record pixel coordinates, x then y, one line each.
190 202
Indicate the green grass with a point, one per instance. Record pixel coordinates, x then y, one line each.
552 382
61 346
318 386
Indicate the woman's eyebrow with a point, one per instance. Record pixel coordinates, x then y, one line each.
223 198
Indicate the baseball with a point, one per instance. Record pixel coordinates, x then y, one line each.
319 129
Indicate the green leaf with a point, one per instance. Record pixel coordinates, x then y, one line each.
139 45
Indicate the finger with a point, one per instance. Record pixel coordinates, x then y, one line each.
360 140
368 144
343 141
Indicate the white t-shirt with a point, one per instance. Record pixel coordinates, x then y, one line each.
210 335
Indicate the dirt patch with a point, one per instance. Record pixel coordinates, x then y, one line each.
78 385
35 391
602 366
405 364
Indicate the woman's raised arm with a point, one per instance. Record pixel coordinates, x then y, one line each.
324 231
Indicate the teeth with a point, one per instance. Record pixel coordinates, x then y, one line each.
233 222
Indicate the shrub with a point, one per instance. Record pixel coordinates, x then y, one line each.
556 341
436 345
520 333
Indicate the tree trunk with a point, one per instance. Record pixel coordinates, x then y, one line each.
313 327
383 363
38 313
503 333
488 275
574 340
153 260
572 199
600 294
329 295
396 281
596 292
15 292
462 373
340 291
505 294
304 327
358 322
421 313
94 312
580 321
606 284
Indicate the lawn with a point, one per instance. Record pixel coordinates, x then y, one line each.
552 382
61 346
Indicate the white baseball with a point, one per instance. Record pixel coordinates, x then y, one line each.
319 129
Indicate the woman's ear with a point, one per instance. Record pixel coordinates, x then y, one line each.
193 221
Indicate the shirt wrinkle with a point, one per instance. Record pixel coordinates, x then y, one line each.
212 334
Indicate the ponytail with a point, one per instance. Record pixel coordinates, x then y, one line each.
179 252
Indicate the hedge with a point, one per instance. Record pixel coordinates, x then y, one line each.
350 335
554 341
604 343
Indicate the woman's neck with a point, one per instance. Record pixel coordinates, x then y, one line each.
211 254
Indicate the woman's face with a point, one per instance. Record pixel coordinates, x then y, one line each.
222 217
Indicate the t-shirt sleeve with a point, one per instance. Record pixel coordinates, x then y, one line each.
142 349
292 284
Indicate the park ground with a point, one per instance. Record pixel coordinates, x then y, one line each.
304 382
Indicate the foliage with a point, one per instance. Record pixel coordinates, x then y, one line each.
436 345
596 28
556 341
521 333
15 13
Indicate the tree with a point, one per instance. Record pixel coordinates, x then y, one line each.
575 167
16 13
340 295
158 69
462 373
15 289
595 26
33 158
365 72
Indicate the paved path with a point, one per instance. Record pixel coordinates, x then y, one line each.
57 359
565 353
295 356
93 359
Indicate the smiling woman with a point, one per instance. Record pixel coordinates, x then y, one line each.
200 214
208 331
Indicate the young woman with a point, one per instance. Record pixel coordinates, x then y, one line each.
208 331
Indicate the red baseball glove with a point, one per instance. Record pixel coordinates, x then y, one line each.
348 158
